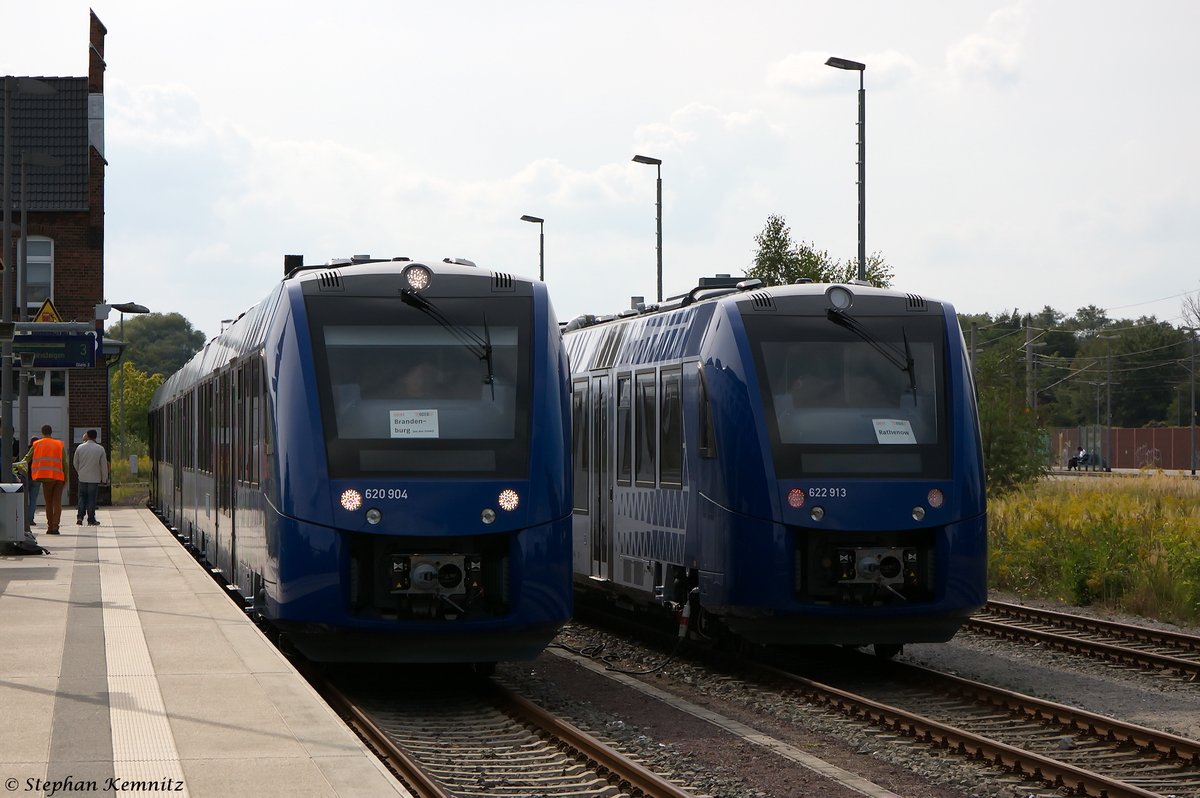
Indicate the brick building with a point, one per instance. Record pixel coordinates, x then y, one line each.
64 236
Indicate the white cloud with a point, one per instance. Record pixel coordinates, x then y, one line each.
994 56
205 203
807 73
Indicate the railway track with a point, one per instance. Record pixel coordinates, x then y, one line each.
1059 747
1135 646
1055 749
468 738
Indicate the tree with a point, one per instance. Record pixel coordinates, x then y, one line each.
775 261
1014 450
139 391
780 261
158 343
1190 310
879 274
1090 320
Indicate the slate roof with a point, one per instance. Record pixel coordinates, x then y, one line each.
55 124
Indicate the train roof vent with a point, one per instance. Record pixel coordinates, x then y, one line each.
330 281
762 301
503 282
916 304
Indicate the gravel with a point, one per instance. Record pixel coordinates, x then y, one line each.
709 761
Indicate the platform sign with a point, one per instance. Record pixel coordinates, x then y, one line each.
57 350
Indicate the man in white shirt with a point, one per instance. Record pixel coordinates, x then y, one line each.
91 466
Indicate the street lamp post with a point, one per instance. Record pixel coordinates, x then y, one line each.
658 164
128 307
1108 339
541 223
11 86
855 66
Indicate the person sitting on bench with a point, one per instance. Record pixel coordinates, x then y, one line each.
1078 461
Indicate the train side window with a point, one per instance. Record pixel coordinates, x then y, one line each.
624 430
706 441
645 427
670 430
580 461
201 427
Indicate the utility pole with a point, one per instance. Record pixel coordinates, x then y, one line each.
1108 339
1028 364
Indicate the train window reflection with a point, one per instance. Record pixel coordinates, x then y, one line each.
833 392
377 370
836 405
396 386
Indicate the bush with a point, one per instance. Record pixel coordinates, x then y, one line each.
1014 449
1130 543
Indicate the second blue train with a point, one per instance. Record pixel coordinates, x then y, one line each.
791 465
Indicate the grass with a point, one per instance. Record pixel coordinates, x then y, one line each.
130 489
1130 544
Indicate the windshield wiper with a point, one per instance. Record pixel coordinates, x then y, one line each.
901 360
479 347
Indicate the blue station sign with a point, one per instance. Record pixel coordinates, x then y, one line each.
58 349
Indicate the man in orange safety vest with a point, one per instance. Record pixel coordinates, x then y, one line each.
49 467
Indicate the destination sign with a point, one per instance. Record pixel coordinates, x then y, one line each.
57 350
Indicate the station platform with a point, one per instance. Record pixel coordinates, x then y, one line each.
124 669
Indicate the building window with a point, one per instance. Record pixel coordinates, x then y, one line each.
39 275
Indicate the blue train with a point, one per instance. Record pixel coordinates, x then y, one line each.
357 457
791 465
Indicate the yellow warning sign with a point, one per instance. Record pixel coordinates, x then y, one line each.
47 312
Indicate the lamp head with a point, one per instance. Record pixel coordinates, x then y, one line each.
533 219
647 159
845 63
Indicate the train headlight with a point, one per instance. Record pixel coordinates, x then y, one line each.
918 513
488 516
351 499
374 516
417 277
508 500
840 297
796 497
935 498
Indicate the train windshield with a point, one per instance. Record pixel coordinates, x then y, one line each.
406 393
847 402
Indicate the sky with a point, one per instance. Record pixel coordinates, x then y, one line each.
1019 154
